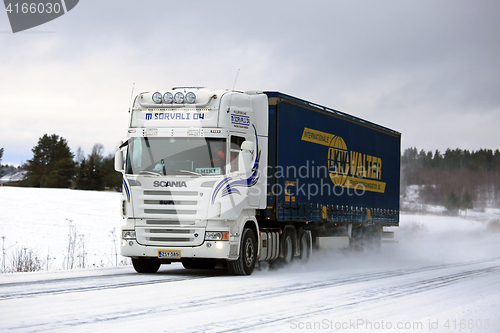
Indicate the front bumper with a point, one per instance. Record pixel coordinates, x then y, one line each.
208 249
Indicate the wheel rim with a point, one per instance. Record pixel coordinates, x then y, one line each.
288 248
249 253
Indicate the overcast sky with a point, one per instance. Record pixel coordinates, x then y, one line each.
428 69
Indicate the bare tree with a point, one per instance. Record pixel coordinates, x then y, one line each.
97 152
80 156
70 259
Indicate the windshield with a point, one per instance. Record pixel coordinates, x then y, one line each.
175 156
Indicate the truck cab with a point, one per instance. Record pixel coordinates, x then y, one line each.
193 177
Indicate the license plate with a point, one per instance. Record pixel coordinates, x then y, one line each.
169 254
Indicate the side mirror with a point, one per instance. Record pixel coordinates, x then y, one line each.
245 157
248 146
119 161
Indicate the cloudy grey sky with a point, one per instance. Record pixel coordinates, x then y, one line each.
429 69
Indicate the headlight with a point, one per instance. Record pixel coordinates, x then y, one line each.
128 234
168 98
216 235
157 97
179 98
190 97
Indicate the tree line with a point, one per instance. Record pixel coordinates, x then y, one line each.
6 169
54 165
456 178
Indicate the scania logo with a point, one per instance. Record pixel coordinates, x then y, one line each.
169 184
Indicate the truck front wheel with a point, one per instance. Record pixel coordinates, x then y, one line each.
146 265
245 264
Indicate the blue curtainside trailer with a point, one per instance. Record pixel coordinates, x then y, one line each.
329 169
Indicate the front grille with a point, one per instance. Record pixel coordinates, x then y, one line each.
165 222
166 231
166 193
169 211
169 217
169 203
175 236
164 239
169 222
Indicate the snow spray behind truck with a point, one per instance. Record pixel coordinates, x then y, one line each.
244 177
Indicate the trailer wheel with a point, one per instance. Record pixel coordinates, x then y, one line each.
288 247
198 264
245 264
305 246
356 242
146 265
287 250
372 237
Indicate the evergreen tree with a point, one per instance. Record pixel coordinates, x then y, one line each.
466 202
96 172
52 163
437 160
89 176
452 203
1 166
82 176
111 178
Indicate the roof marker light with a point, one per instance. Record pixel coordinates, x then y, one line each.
190 97
179 98
168 98
156 97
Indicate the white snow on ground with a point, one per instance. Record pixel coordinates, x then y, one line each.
39 219
440 274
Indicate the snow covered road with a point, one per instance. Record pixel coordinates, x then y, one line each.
358 298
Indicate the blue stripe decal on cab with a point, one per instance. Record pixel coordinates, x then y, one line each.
126 189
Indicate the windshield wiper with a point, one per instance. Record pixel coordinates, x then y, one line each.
153 173
189 171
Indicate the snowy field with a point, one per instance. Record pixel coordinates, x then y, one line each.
40 219
440 274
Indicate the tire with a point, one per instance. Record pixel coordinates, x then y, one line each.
305 246
356 242
288 248
287 251
146 265
247 259
199 264
372 237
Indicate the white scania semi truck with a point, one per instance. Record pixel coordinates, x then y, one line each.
242 177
